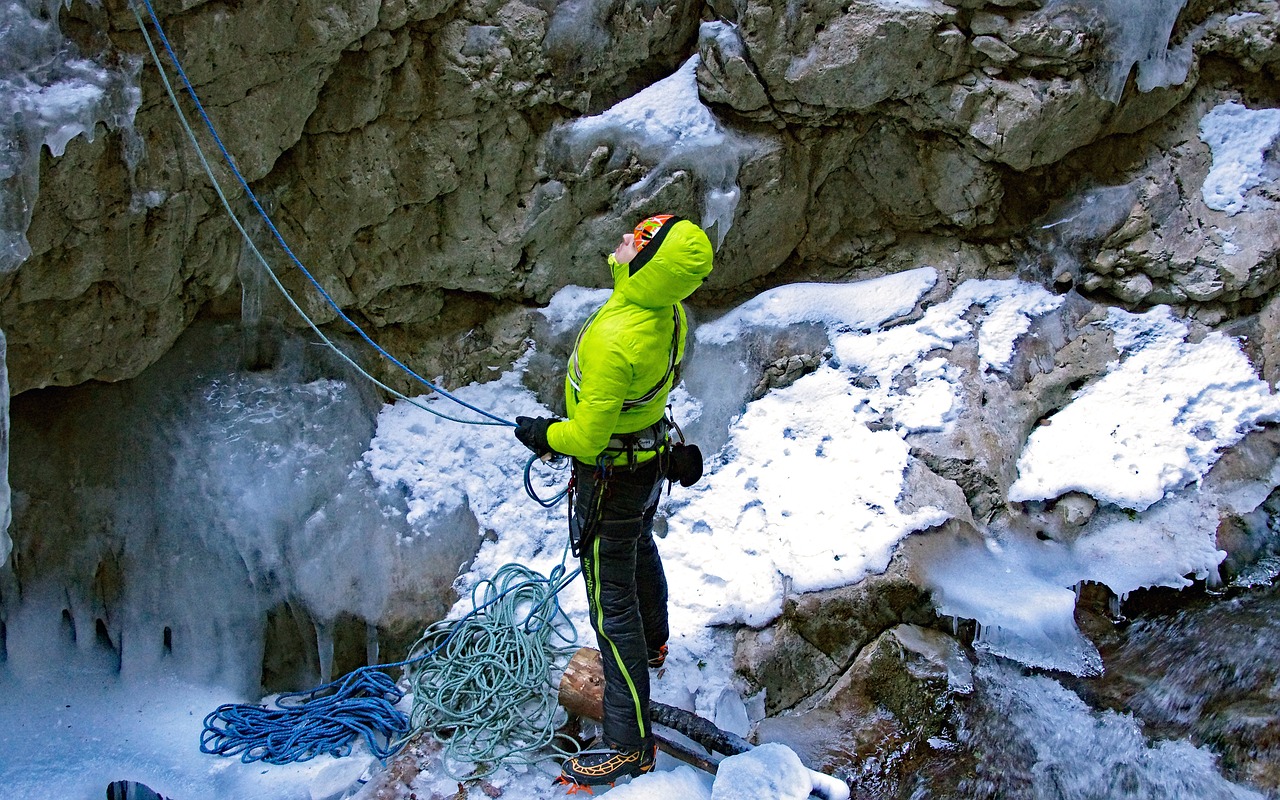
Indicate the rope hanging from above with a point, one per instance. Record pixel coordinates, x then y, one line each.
489 418
490 698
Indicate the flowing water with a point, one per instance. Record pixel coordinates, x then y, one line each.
1189 707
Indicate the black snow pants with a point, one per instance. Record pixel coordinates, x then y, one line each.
613 514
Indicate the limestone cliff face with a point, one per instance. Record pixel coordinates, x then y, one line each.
413 154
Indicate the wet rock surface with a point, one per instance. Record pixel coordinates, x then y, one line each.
418 156
415 155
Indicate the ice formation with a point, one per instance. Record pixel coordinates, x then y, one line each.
1141 40
1042 740
216 495
49 94
1140 439
860 306
668 126
1241 140
6 511
1020 590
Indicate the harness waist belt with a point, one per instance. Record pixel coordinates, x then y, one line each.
645 439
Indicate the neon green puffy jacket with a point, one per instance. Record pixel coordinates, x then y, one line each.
624 351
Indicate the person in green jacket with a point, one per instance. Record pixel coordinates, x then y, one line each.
624 363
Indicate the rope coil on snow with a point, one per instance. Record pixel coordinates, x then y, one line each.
489 698
303 725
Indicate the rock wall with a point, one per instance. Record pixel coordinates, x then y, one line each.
412 154
425 160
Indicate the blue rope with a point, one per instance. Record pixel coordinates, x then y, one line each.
305 724
329 718
549 502
244 184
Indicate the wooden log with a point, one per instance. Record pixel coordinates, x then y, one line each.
582 685
582 693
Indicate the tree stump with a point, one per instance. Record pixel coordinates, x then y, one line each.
582 685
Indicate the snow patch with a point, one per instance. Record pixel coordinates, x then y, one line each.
1241 140
1157 421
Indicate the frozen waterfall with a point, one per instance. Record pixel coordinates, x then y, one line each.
6 511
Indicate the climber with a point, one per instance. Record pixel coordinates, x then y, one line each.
624 364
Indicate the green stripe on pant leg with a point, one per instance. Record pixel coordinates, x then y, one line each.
594 598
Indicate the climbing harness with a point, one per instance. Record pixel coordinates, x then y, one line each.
673 363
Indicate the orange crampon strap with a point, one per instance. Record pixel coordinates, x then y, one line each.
572 787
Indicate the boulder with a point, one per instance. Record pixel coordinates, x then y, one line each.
874 726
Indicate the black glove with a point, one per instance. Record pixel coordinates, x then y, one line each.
532 433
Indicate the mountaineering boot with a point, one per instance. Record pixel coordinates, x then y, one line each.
658 657
131 790
594 767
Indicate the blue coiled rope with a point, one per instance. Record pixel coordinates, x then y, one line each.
305 724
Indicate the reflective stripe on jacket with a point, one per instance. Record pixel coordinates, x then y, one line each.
624 350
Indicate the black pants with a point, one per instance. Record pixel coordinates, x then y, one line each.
626 588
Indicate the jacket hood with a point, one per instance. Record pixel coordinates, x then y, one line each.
679 265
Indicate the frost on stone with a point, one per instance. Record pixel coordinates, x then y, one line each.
865 306
667 126
1140 40
49 94
578 32
1241 140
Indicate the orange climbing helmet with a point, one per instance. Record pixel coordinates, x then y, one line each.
649 227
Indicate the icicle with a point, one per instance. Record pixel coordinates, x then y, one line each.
1114 607
251 280
1213 583
324 648
371 646
50 94
254 352
1143 43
